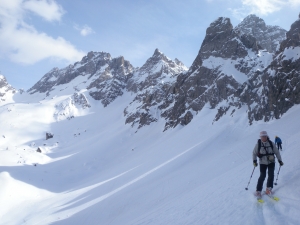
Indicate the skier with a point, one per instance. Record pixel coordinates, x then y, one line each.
278 142
265 150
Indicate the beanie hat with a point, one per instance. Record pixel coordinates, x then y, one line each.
263 133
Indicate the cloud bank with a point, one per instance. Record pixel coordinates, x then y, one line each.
22 43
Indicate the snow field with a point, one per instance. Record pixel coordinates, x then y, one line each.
109 174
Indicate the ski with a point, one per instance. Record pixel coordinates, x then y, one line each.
260 200
275 198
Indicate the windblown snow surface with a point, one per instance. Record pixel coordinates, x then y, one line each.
97 170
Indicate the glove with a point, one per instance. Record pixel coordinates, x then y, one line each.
281 163
255 163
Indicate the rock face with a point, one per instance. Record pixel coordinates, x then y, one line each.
110 84
6 90
269 37
103 76
48 136
151 85
280 81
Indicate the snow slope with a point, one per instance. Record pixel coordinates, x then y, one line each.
97 170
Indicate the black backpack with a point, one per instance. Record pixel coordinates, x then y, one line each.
259 155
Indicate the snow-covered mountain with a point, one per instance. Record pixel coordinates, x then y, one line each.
6 90
226 74
108 161
101 75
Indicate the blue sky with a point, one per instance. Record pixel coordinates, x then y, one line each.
37 35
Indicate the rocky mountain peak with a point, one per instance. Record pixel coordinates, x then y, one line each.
157 62
269 37
4 83
157 53
222 24
253 22
216 33
222 41
157 56
104 56
5 89
2 79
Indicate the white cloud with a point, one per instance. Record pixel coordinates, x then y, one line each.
48 9
22 43
264 7
85 30
29 47
261 7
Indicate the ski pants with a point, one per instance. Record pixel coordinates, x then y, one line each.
279 146
263 173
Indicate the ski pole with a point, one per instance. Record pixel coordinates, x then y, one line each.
277 175
250 179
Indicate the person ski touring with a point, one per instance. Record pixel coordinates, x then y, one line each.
265 150
278 142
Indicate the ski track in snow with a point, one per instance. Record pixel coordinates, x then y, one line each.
111 175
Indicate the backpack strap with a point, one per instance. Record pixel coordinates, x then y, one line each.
258 148
271 144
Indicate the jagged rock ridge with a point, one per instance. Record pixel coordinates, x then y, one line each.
231 70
